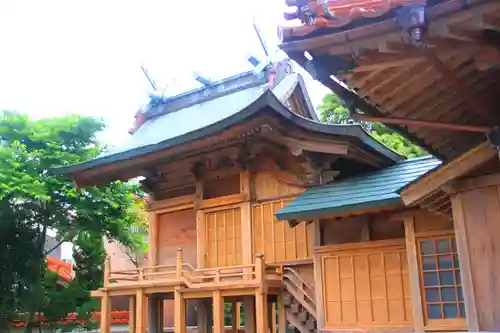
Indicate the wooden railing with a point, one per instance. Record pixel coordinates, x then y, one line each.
300 289
184 273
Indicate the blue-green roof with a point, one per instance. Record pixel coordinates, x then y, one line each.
372 190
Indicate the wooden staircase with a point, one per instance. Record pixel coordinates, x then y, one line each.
299 300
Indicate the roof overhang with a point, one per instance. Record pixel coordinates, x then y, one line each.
267 104
438 179
450 83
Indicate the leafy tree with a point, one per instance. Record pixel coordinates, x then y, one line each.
34 200
332 111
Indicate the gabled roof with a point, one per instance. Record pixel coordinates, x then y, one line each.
368 191
204 112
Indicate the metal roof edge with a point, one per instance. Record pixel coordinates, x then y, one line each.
305 214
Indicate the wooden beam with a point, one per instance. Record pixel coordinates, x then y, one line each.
201 240
454 169
475 104
474 183
411 252
235 316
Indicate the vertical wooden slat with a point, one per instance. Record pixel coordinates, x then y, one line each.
370 300
201 239
262 230
216 242
235 262
414 275
465 265
273 237
153 239
353 272
337 262
246 233
384 274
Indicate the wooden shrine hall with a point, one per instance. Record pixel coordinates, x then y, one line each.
428 69
306 226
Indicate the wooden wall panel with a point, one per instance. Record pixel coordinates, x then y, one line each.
476 215
266 185
177 229
223 235
276 239
426 221
366 287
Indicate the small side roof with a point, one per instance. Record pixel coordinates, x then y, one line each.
368 191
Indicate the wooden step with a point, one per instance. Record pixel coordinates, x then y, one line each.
287 298
295 322
303 316
295 308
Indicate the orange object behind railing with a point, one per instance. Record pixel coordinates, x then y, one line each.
117 318
61 268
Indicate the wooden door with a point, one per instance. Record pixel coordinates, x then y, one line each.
223 235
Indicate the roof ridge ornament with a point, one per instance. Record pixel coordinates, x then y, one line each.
315 14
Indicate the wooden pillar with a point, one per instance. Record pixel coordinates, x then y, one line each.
218 312
281 315
105 326
200 239
179 312
179 263
272 317
238 315
249 311
411 253
140 312
234 316
131 314
261 318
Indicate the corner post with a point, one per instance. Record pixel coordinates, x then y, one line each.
140 313
261 305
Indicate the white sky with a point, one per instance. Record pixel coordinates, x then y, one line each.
84 57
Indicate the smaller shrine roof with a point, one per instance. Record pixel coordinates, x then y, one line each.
368 191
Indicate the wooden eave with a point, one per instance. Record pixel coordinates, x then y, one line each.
454 80
436 184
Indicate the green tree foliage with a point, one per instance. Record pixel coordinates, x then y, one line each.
34 200
332 111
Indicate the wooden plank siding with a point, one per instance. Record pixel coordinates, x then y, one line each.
366 286
223 235
276 239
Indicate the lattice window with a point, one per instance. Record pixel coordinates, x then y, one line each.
440 281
